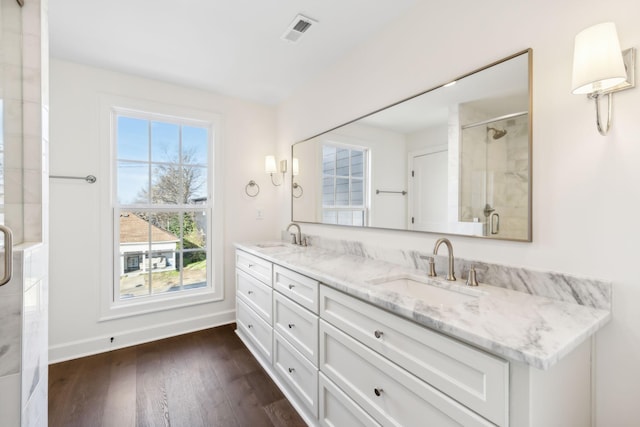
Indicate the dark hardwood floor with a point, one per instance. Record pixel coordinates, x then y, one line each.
205 378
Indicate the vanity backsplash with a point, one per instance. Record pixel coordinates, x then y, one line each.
558 286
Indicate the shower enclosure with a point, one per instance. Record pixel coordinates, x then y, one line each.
23 243
494 181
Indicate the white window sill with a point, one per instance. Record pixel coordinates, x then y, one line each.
148 305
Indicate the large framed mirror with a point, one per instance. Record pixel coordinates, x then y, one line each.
455 159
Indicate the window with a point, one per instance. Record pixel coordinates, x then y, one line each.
162 206
344 198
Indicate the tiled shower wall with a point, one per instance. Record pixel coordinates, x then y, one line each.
496 171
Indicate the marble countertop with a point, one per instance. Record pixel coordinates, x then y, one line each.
521 327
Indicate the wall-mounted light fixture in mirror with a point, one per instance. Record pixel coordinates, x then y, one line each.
455 159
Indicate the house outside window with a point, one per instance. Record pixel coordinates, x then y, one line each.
344 172
161 205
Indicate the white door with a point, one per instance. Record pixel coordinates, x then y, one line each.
428 205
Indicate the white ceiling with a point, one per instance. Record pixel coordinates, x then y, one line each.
227 46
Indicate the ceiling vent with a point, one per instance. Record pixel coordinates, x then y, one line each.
297 28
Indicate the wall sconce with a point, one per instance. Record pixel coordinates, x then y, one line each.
295 170
601 68
271 168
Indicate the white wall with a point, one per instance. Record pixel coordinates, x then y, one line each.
586 188
387 171
248 134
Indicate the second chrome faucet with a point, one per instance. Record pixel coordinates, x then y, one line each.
451 275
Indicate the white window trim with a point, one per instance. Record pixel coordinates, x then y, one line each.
351 145
109 307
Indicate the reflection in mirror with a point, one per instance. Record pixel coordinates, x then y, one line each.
455 159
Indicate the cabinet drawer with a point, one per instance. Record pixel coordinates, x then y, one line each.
298 325
337 409
256 329
256 294
297 372
472 377
387 392
255 266
299 288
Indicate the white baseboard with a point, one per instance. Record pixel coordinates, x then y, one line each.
76 349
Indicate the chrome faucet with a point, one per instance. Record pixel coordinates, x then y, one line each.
451 275
297 238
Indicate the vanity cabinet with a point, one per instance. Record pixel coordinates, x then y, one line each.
342 361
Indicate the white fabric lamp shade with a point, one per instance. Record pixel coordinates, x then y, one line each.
597 60
270 164
295 169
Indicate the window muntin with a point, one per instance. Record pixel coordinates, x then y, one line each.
161 205
344 198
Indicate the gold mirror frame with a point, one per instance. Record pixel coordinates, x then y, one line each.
472 220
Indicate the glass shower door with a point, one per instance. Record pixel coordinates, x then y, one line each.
11 202
6 235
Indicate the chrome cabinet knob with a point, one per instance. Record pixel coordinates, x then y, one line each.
249 326
377 391
291 286
291 325
291 370
378 334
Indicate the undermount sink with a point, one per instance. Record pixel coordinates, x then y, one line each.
428 293
272 248
270 245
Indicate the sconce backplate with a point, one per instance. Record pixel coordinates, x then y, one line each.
629 59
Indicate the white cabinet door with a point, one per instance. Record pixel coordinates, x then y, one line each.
474 378
298 325
337 409
299 288
256 294
255 329
387 392
297 371
257 267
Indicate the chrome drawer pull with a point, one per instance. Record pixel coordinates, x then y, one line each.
378 334
291 370
291 325
377 391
